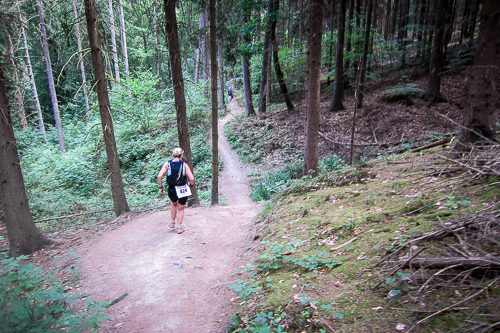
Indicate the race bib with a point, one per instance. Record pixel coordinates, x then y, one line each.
182 191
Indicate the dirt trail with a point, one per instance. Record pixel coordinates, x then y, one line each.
175 283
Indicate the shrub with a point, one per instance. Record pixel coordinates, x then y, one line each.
31 301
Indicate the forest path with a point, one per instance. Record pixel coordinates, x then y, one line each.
175 283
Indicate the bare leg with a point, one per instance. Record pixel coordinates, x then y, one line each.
180 214
173 210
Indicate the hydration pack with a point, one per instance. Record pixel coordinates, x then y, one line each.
176 173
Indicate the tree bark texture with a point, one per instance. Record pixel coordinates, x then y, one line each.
117 190
21 114
247 83
433 92
362 75
483 77
277 67
124 41
80 60
23 235
314 41
338 85
178 85
271 15
215 135
200 50
34 91
50 77
114 49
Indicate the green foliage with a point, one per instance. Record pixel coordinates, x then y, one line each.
400 93
32 301
275 182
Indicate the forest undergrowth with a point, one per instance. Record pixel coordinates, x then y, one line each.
406 239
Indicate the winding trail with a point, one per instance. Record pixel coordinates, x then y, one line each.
175 283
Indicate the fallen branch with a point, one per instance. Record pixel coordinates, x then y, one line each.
454 305
68 216
431 145
341 246
437 263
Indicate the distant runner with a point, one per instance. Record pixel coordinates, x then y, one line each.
178 192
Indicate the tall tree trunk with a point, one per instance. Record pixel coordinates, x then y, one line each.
394 19
157 40
269 83
433 92
23 235
338 88
124 41
178 85
200 50
403 30
314 39
215 135
119 199
362 75
420 31
80 60
113 41
277 68
21 114
473 19
220 77
247 83
387 25
271 16
349 34
206 53
34 91
483 76
50 77
301 21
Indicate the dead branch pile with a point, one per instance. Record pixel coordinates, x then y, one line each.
460 260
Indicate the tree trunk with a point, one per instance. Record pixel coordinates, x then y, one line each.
178 85
200 50
433 93
420 31
220 77
157 40
124 41
206 53
215 135
247 83
21 114
349 34
301 21
271 16
80 60
113 41
34 91
394 19
314 40
479 114
473 19
387 20
119 199
23 235
277 68
364 58
338 88
50 77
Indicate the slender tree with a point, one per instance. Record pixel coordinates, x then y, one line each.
124 41
483 76
24 237
80 60
113 41
433 92
215 135
247 83
178 84
314 41
119 199
338 88
277 67
17 86
362 75
50 77
265 57
34 91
